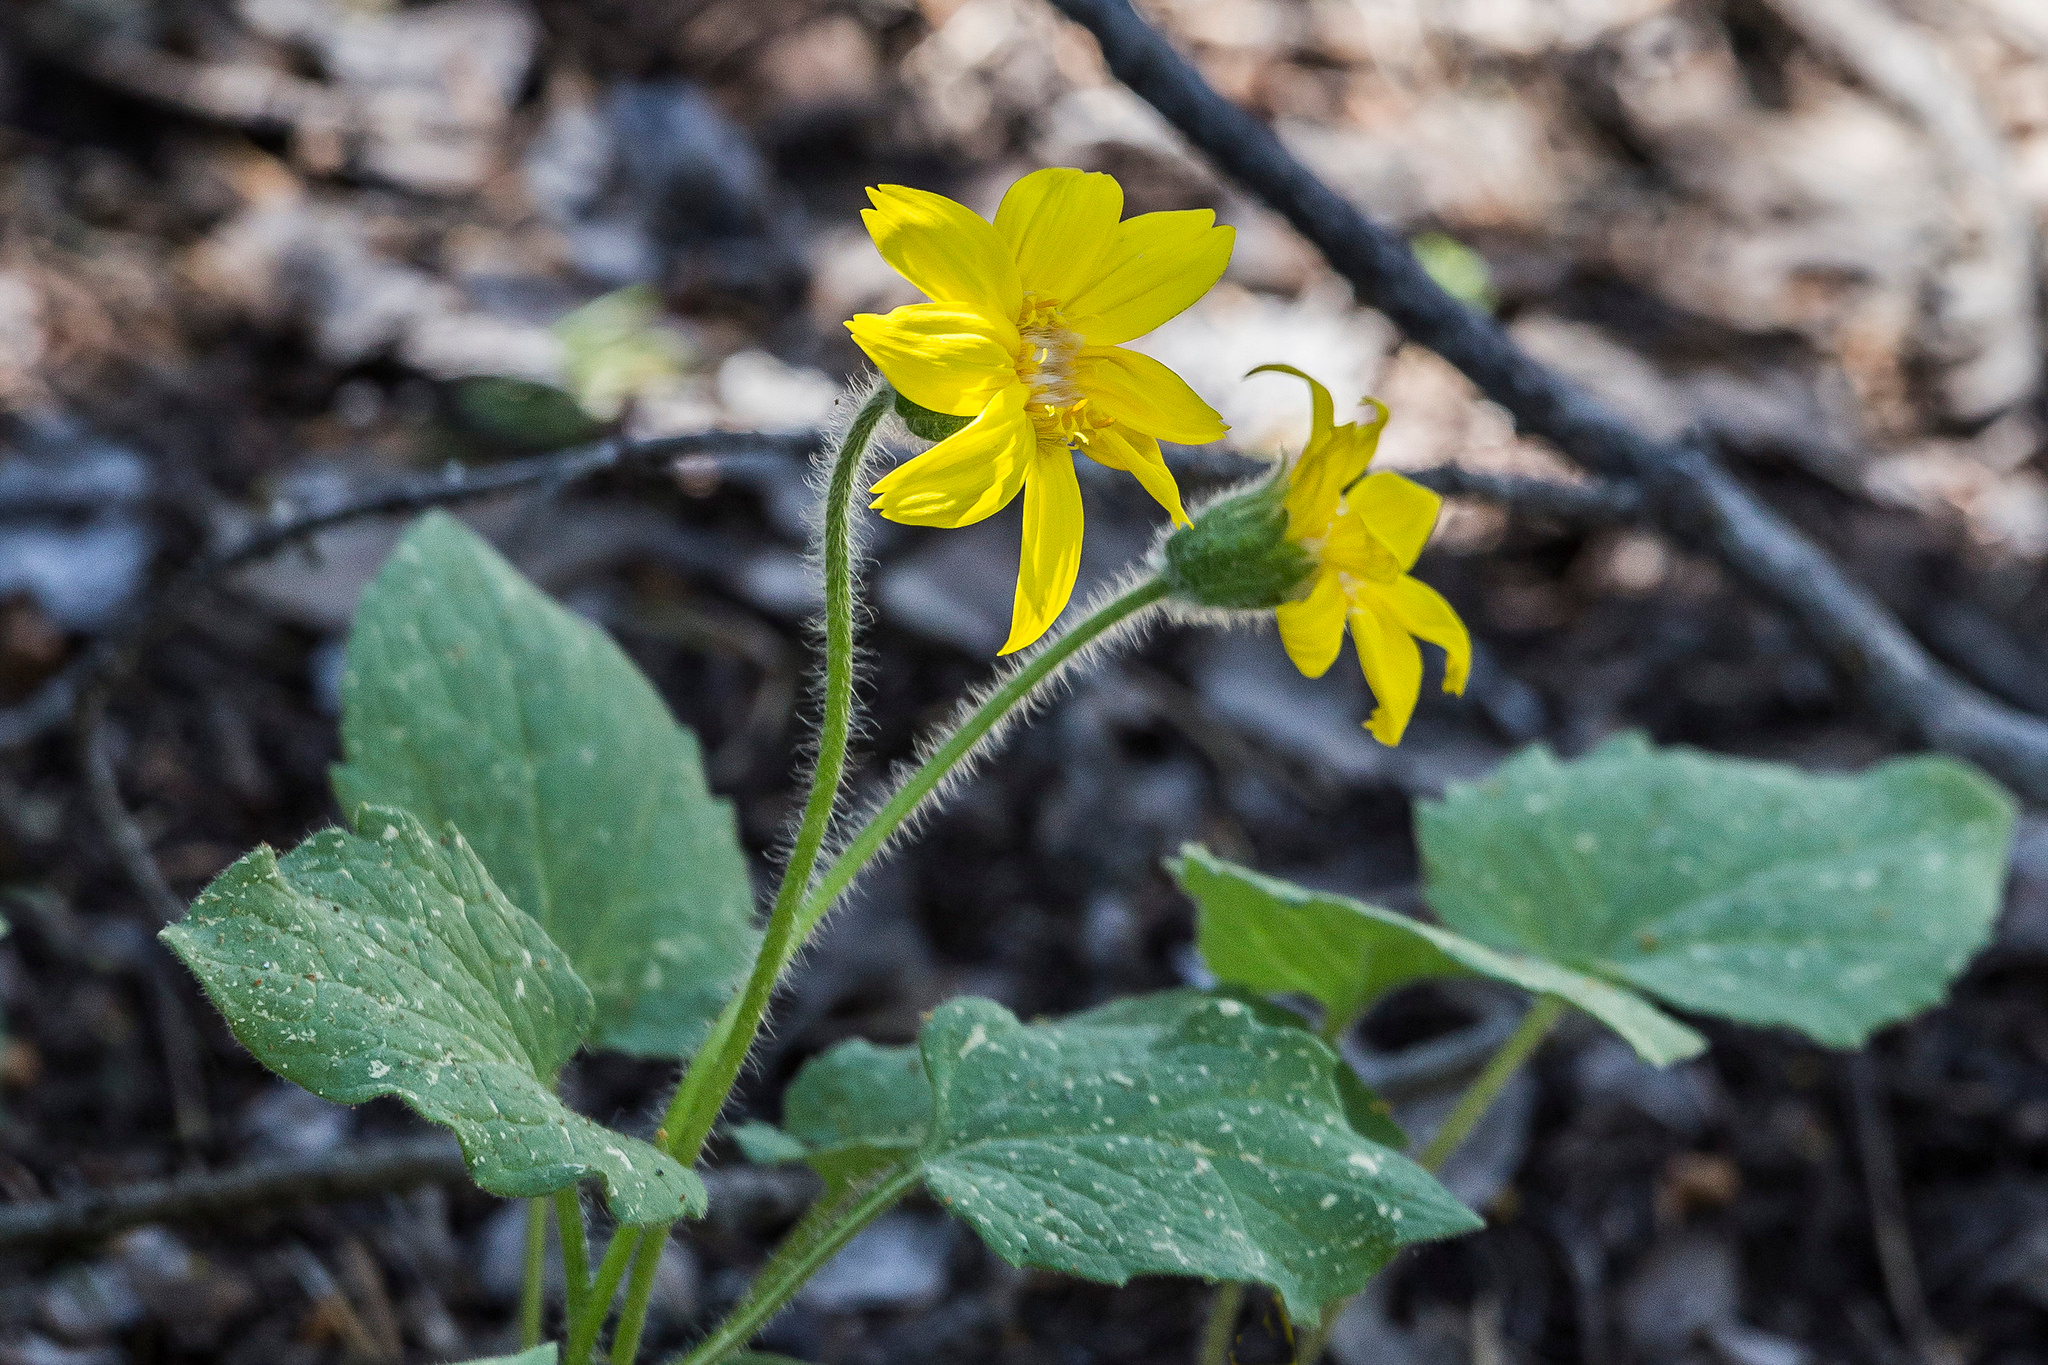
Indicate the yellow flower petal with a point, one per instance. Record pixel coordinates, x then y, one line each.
1052 546
1422 611
970 475
1312 630
1393 668
1352 548
946 249
1331 461
1057 223
1399 513
1143 394
1138 455
939 355
1158 264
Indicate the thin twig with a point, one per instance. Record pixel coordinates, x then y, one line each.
742 1197
1886 1193
1689 493
115 653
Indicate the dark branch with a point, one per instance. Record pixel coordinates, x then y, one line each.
741 1196
345 1174
1596 502
115 652
1690 494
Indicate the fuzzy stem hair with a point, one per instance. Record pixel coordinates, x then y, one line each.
951 754
716 1066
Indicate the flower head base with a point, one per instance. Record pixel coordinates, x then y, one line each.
1364 532
1023 336
1236 555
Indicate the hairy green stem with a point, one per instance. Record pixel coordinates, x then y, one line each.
717 1064
1221 1333
575 1249
1038 669
633 1317
1479 1096
604 1288
532 1282
815 1240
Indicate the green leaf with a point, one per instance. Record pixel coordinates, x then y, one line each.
386 962
858 1107
533 416
617 348
1218 1147
544 1354
1273 936
764 1144
1832 905
471 698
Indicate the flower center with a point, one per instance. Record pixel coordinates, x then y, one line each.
1046 361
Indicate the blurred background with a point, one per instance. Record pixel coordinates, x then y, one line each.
262 254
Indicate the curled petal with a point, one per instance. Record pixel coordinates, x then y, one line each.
1312 630
970 475
1393 668
939 355
1058 222
1423 612
1332 460
1051 557
1143 394
1400 513
1157 265
946 249
1138 455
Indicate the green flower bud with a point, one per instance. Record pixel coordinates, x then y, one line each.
925 424
1237 554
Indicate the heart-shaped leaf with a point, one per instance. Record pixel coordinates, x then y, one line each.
386 962
471 698
1273 936
1179 1134
1754 891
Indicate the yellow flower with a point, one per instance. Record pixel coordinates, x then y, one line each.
1364 532
1023 335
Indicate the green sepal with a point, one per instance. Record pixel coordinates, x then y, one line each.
925 424
1237 555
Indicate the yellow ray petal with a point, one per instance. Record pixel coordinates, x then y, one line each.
1058 222
1312 630
970 475
1393 669
1349 546
1158 265
939 355
1399 512
946 249
1422 611
1143 394
1052 546
1321 409
1138 455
